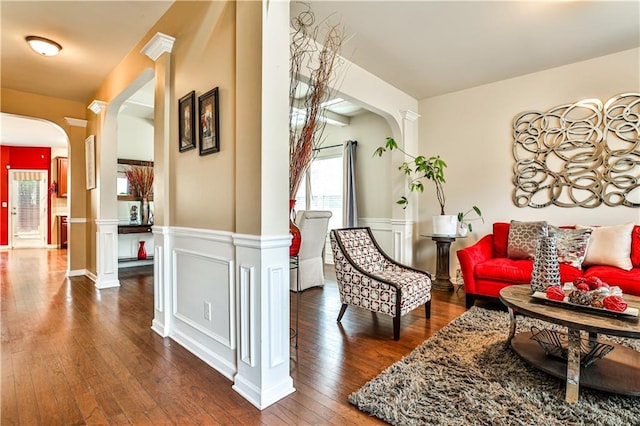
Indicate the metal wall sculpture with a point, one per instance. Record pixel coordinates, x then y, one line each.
579 155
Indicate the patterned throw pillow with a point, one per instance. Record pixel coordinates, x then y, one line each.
523 238
572 244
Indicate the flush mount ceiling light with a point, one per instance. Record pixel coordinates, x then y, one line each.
43 46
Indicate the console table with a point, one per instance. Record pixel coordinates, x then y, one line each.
443 245
129 237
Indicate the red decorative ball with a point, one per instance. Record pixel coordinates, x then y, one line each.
614 303
555 293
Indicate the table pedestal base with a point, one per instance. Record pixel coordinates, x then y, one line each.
618 372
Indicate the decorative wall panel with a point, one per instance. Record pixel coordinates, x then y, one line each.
579 155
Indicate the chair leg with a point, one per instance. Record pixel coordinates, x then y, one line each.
470 299
342 311
427 309
396 327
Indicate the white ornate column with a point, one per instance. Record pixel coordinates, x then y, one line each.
404 220
106 223
262 275
76 201
158 49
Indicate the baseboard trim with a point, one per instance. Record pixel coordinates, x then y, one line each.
221 365
262 400
159 328
79 273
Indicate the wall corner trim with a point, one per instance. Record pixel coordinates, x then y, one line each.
410 115
76 122
97 106
159 44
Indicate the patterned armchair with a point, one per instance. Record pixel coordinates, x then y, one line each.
369 279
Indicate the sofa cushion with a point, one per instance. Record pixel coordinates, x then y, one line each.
503 269
628 281
523 238
610 246
635 246
518 271
571 244
500 239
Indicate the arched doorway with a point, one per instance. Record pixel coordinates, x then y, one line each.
35 203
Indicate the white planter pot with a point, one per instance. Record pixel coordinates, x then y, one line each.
445 224
463 230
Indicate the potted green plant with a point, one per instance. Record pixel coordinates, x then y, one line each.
422 168
429 168
464 223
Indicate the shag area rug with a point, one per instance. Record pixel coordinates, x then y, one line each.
464 375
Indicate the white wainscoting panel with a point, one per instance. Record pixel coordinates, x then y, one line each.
265 317
162 280
275 277
247 312
203 296
158 278
107 254
207 302
225 298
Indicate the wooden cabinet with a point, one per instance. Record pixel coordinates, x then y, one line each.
62 164
62 231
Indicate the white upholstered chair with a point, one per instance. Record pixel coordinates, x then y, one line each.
313 226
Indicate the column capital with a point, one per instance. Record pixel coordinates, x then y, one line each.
409 115
97 106
159 44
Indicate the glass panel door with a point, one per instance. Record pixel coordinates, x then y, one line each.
28 208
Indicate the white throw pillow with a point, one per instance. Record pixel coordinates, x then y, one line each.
609 245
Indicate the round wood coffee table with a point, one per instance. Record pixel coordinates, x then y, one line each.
617 372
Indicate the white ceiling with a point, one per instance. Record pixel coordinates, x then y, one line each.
424 48
20 131
95 36
428 48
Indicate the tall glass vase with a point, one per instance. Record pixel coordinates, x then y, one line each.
296 237
144 213
546 269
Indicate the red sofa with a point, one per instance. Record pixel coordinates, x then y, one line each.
486 268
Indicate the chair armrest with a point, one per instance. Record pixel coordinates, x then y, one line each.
471 256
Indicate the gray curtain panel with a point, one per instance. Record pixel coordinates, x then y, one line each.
350 205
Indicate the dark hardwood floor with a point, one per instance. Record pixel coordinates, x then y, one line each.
72 354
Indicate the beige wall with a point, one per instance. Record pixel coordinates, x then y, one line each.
55 110
248 191
471 130
373 173
204 56
202 189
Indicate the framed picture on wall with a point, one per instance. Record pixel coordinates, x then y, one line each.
209 122
187 122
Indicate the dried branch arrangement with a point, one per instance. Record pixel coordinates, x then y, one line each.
140 180
317 60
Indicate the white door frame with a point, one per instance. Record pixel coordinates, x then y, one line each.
44 216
